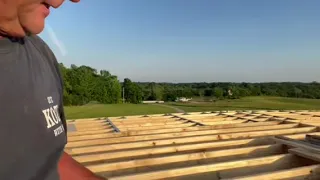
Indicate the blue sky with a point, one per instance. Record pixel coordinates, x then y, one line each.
191 40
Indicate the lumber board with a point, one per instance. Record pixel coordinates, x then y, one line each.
280 175
133 118
170 173
313 139
193 128
136 116
313 113
94 129
91 125
213 115
142 121
243 129
306 153
165 150
117 140
136 128
173 149
83 129
297 143
221 155
151 124
154 143
90 132
150 128
147 122
221 118
85 120
101 123
87 126
182 134
168 136
225 122
214 119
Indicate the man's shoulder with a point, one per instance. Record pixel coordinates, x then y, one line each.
41 46
36 38
38 41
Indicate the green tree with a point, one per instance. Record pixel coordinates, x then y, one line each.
218 92
132 92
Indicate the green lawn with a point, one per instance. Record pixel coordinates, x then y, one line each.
109 110
248 103
252 103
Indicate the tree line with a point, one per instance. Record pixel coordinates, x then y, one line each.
84 84
217 90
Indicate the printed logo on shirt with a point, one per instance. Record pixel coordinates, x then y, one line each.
53 118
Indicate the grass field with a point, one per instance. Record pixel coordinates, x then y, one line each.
252 103
248 103
109 110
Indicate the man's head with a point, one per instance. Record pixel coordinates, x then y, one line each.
18 17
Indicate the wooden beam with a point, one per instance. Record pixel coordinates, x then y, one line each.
126 128
134 118
215 119
314 113
91 125
193 116
141 118
155 143
225 122
315 156
220 137
140 121
171 173
85 120
196 128
296 143
247 124
125 154
92 129
300 172
173 149
152 128
182 134
102 141
313 139
90 132
220 155
84 123
149 124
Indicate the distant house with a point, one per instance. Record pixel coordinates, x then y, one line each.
183 99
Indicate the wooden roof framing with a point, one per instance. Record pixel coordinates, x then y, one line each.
244 145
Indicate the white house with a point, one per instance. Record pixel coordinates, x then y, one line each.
183 99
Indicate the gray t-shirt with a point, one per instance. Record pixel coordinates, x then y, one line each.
32 123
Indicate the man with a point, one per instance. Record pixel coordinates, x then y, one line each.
32 122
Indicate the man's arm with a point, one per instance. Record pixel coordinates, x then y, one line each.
70 169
